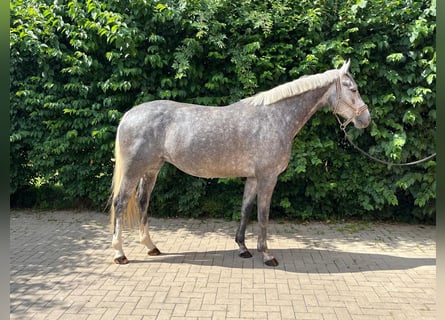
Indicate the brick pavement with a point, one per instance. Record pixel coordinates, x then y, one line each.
61 268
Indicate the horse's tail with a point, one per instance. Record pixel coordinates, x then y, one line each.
131 215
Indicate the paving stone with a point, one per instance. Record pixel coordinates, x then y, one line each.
61 268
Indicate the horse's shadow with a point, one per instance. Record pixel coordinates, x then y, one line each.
296 260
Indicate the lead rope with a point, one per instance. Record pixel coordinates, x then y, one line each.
376 159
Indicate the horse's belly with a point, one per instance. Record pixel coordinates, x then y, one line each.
208 167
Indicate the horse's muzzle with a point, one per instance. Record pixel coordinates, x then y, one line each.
362 118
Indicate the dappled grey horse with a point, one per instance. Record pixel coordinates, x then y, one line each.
251 138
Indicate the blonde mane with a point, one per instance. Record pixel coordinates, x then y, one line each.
294 88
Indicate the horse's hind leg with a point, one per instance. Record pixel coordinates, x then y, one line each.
248 199
144 190
120 204
119 256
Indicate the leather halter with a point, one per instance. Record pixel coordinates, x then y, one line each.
357 112
340 99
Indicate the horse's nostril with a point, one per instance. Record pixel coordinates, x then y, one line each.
364 120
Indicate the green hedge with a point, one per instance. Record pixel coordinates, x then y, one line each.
76 67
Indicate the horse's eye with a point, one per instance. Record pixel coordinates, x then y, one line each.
354 89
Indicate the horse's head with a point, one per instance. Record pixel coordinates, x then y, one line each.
347 102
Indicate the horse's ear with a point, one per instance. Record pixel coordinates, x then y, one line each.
344 69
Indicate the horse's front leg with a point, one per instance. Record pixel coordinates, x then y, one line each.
248 199
145 187
265 190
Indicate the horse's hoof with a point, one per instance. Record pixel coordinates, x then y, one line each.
271 263
154 252
121 260
245 254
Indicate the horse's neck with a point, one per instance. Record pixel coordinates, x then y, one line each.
299 109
